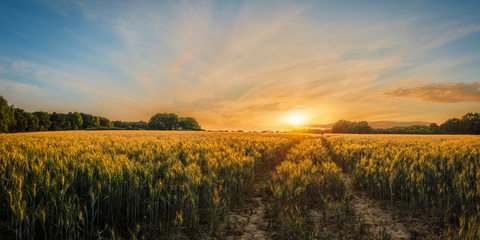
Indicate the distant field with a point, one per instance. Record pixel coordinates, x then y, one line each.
197 185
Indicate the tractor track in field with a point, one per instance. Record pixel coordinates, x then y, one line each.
382 219
378 221
374 217
250 222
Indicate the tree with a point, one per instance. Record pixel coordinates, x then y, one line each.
352 127
119 124
75 119
471 123
157 122
189 123
363 127
172 122
344 126
163 121
340 126
21 121
60 122
44 120
105 122
141 124
95 121
453 125
434 128
7 117
89 121
134 125
33 122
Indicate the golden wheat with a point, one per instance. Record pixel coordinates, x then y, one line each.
436 174
84 185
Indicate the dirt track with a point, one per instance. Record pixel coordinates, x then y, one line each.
379 220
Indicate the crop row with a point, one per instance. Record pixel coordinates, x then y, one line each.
306 180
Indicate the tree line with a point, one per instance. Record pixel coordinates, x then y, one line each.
171 121
140 125
467 124
14 120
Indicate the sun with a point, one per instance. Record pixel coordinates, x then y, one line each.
296 119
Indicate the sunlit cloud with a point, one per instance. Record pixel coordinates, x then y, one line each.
377 124
434 92
100 104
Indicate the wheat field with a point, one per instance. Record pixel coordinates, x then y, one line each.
437 175
183 185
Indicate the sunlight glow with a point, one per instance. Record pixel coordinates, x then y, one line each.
296 119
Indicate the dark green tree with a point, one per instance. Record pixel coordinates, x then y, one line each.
164 121
89 121
453 125
21 121
119 124
105 122
75 119
95 121
133 125
189 123
141 124
434 128
157 122
60 122
54 120
7 117
172 122
44 120
33 122
471 123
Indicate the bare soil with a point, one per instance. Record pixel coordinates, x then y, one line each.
249 223
379 221
385 219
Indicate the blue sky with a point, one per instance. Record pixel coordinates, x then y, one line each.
244 64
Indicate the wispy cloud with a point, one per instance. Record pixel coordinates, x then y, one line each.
100 104
433 92
377 124
252 64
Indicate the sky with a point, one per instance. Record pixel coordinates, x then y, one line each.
251 65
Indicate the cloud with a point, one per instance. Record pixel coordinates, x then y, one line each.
100 104
453 92
176 67
328 125
377 124
14 86
249 64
